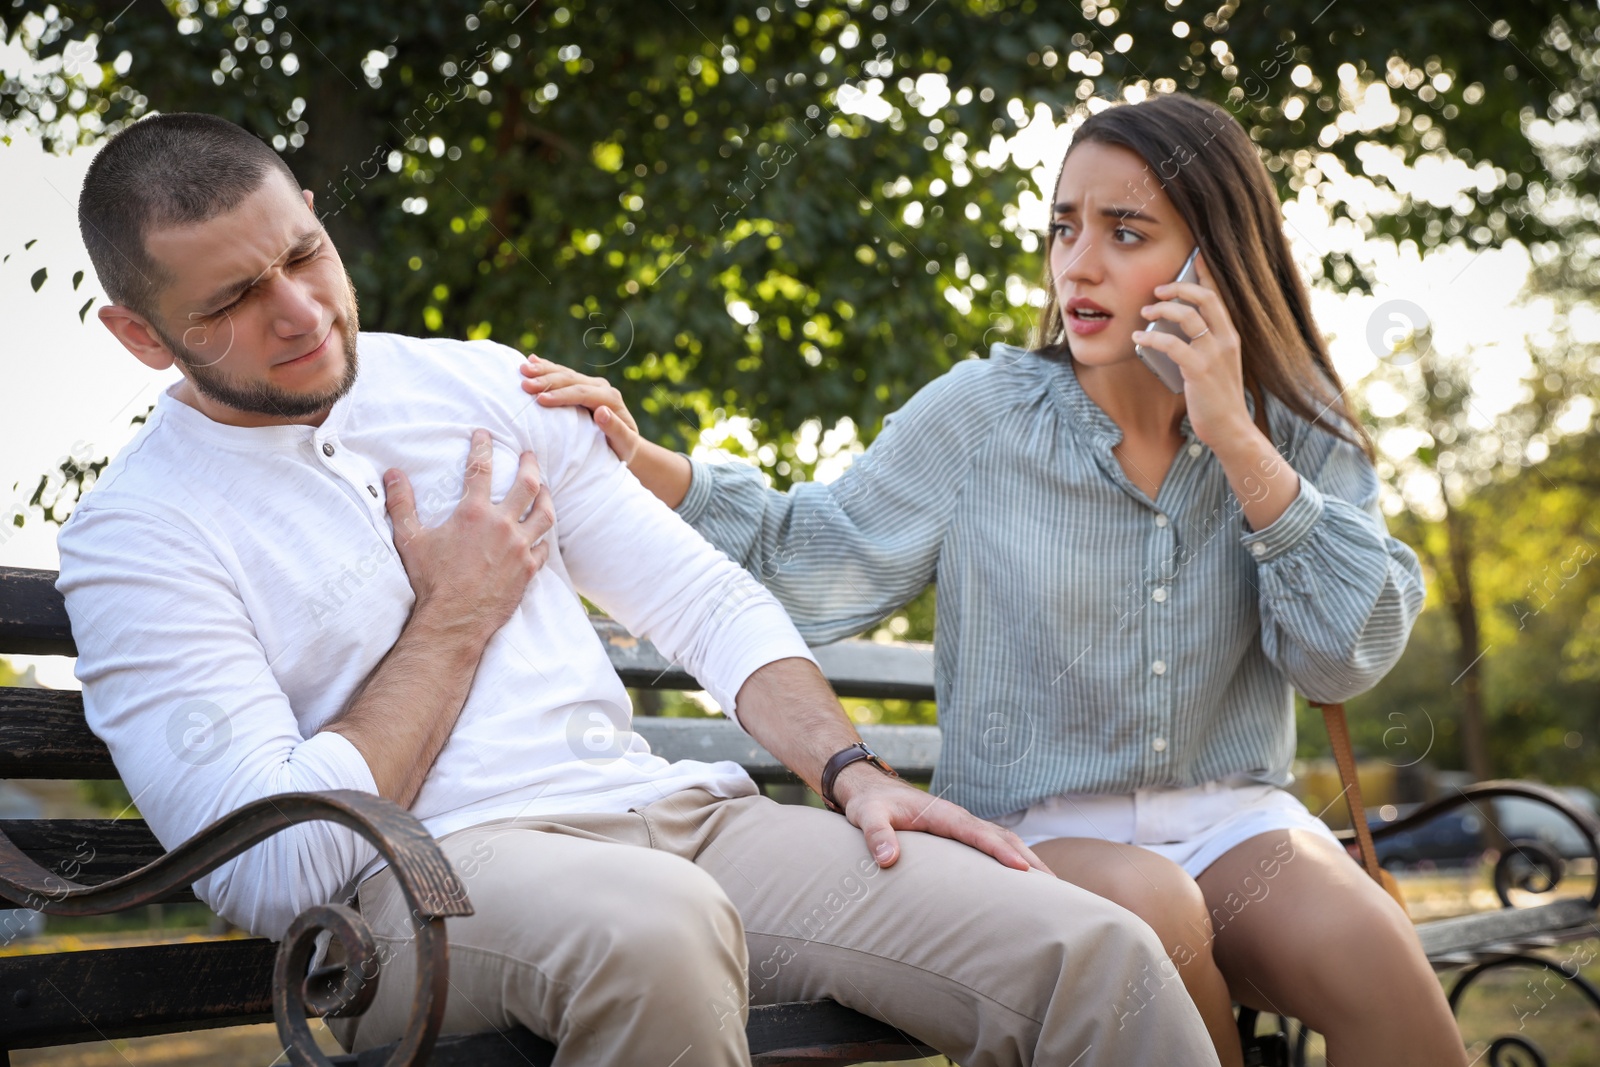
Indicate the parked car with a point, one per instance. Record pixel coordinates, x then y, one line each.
1523 820
1455 838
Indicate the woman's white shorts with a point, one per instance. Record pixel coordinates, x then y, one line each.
1193 826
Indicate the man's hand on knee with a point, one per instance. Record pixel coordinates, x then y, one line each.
879 806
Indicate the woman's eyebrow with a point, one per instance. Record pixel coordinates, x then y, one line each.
1066 207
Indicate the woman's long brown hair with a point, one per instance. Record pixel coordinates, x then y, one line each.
1207 166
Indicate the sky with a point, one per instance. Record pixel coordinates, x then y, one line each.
72 389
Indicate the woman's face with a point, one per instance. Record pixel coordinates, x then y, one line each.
1115 237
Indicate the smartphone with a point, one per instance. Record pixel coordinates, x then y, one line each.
1159 362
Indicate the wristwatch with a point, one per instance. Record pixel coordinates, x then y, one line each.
842 759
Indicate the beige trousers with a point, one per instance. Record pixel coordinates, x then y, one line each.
641 939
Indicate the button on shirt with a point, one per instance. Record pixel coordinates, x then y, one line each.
230 587
1080 621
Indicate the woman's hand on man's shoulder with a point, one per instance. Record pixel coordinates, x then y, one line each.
554 386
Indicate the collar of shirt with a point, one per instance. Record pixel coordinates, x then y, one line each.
281 437
1089 421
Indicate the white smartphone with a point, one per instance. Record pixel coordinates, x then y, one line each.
1159 362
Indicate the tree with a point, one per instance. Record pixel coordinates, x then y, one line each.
796 211
1537 605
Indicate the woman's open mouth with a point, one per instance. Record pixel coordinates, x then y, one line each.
1084 320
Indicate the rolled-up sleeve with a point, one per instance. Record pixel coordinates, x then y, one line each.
177 684
1338 595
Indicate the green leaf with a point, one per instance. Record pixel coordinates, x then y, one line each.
85 309
30 244
608 156
38 276
77 279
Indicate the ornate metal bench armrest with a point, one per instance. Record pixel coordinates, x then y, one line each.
1585 822
429 882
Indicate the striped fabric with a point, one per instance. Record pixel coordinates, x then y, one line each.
1089 639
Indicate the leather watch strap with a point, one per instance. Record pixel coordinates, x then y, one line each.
842 759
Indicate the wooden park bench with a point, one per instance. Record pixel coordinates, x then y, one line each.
102 866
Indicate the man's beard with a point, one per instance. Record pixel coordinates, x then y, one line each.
262 397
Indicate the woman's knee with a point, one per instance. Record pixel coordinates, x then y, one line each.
1349 953
1168 900
1367 935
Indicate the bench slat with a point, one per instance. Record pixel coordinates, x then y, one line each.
1448 940
90 851
44 736
780 1032
910 750
501 1048
33 617
65 997
901 671
812 1032
33 621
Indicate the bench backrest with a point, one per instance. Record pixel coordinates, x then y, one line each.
43 734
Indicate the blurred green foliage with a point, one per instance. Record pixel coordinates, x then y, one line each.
602 181
1537 571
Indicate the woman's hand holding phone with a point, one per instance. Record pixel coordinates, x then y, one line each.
1213 369
1213 385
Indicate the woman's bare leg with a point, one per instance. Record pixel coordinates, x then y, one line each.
1303 932
1168 900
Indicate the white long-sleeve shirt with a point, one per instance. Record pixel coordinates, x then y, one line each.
230 587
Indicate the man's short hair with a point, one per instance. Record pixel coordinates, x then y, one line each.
166 170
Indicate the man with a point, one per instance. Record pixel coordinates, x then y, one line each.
285 582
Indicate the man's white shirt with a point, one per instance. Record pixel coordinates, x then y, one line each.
230 588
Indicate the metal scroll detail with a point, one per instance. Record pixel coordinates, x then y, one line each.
429 883
1514 1050
1525 866
1533 867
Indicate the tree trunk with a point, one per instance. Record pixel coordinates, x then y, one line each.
345 150
1469 654
1456 581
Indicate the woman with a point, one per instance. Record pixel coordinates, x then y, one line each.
1132 581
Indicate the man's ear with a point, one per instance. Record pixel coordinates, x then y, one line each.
134 331
308 195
